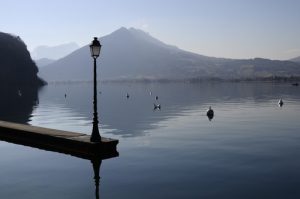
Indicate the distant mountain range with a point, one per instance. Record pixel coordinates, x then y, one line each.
53 52
296 59
43 62
131 54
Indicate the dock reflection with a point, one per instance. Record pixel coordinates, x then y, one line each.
95 158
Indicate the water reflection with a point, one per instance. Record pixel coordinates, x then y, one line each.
249 135
280 103
122 116
16 103
157 107
142 111
95 158
96 168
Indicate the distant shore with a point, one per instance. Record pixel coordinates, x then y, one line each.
274 79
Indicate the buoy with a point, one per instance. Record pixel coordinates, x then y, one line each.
157 106
210 113
19 93
280 103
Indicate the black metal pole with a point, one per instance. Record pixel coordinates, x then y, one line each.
95 137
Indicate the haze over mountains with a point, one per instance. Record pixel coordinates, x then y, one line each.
131 54
53 52
296 59
43 62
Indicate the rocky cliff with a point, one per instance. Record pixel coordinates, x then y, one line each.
16 66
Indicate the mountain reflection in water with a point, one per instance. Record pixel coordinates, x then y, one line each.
248 150
135 116
17 103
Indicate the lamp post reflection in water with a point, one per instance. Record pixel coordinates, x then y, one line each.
95 48
96 168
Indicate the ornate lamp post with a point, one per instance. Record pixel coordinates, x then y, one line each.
95 48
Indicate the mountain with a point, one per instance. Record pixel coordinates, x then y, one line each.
131 54
53 52
43 62
16 66
296 59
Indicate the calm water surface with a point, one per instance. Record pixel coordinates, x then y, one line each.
250 149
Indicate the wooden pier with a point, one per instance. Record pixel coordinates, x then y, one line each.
75 144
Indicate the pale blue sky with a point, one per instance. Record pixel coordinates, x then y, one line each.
220 28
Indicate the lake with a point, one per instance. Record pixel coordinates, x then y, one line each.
250 149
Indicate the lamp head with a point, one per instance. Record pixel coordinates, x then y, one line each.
95 48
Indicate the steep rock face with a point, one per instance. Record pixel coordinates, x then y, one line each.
16 66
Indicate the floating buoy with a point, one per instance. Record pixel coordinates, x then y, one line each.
210 113
19 93
157 106
280 103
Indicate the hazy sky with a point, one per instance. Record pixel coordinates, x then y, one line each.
220 28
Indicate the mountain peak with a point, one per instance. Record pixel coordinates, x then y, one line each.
121 30
130 34
138 31
119 34
131 30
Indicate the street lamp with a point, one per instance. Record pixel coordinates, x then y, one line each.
95 48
